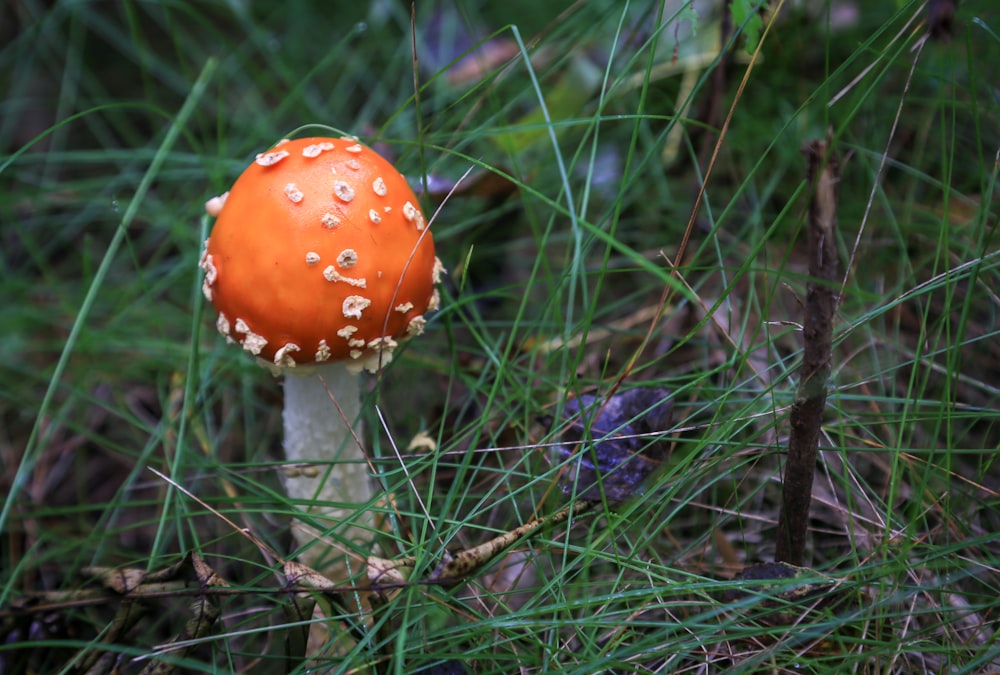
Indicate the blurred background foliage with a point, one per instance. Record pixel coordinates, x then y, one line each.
587 159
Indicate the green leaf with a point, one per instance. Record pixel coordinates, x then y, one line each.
746 15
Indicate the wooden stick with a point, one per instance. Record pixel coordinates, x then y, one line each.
806 417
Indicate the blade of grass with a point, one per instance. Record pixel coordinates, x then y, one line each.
173 131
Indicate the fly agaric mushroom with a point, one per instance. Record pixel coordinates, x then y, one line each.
319 263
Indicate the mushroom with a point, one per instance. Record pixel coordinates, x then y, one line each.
319 264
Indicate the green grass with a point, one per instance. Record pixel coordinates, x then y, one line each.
120 120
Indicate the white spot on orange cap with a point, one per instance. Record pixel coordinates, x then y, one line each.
354 164
356 148
331 274
348 258
211 273
435 302
283 357
354 305
330 221
293 192
316 149
347 331
271 158
404 307
416 326
213 206
343 190
410 212
312 257
374 216
251 342
378 185
382 344
206 264
222 325
438 270
322 352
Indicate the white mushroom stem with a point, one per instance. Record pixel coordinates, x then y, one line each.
328 475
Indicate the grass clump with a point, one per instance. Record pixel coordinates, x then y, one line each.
634 218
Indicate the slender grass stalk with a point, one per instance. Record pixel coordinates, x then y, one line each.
35 438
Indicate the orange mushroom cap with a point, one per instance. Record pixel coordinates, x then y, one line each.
320 252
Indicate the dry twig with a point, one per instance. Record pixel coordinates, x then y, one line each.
806 416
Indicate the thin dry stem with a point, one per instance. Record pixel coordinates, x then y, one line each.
806 417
